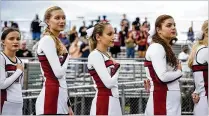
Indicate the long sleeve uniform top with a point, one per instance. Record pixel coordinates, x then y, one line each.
53 67
104 74
11 80
158 71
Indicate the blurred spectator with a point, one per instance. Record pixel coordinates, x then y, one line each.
35 47
145 27
135 32
75 53
91 25
147 23
125 23
190 34
84 48
85 51
23 51
142 40
74 49
36 28
5 26
122 36
142 43
137 23
72 34
130 45
14 25
116 48
83 29
183 57
104 19
65 41
98 20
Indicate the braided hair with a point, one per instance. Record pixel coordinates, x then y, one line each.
59 46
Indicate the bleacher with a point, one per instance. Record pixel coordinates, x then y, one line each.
77 74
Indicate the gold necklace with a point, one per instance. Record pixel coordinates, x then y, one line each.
105 53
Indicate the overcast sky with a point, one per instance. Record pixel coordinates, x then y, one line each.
182 11
179 9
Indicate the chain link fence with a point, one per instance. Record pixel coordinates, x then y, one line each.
133 98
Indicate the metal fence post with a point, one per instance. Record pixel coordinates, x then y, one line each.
26 75
25 84
30 105
75 105
140 104
123 99
140 99
82 104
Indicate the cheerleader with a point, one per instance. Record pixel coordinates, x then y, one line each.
11 76
104 71
198 62
163 71
53 58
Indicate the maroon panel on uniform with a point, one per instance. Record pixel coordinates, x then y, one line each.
48 72
103 91
108 63
98 81
51 99
42 58
147 63
3 98
102 105
199 68
115 69
160 91
159 94
159 98
92 72
205 76
51 87
10 67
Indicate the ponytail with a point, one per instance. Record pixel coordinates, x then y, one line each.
97 29
92 43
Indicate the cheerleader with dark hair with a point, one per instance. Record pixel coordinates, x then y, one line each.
11 74
163 70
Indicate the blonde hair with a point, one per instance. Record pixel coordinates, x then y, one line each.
59 46
203 41
98 29
205 27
